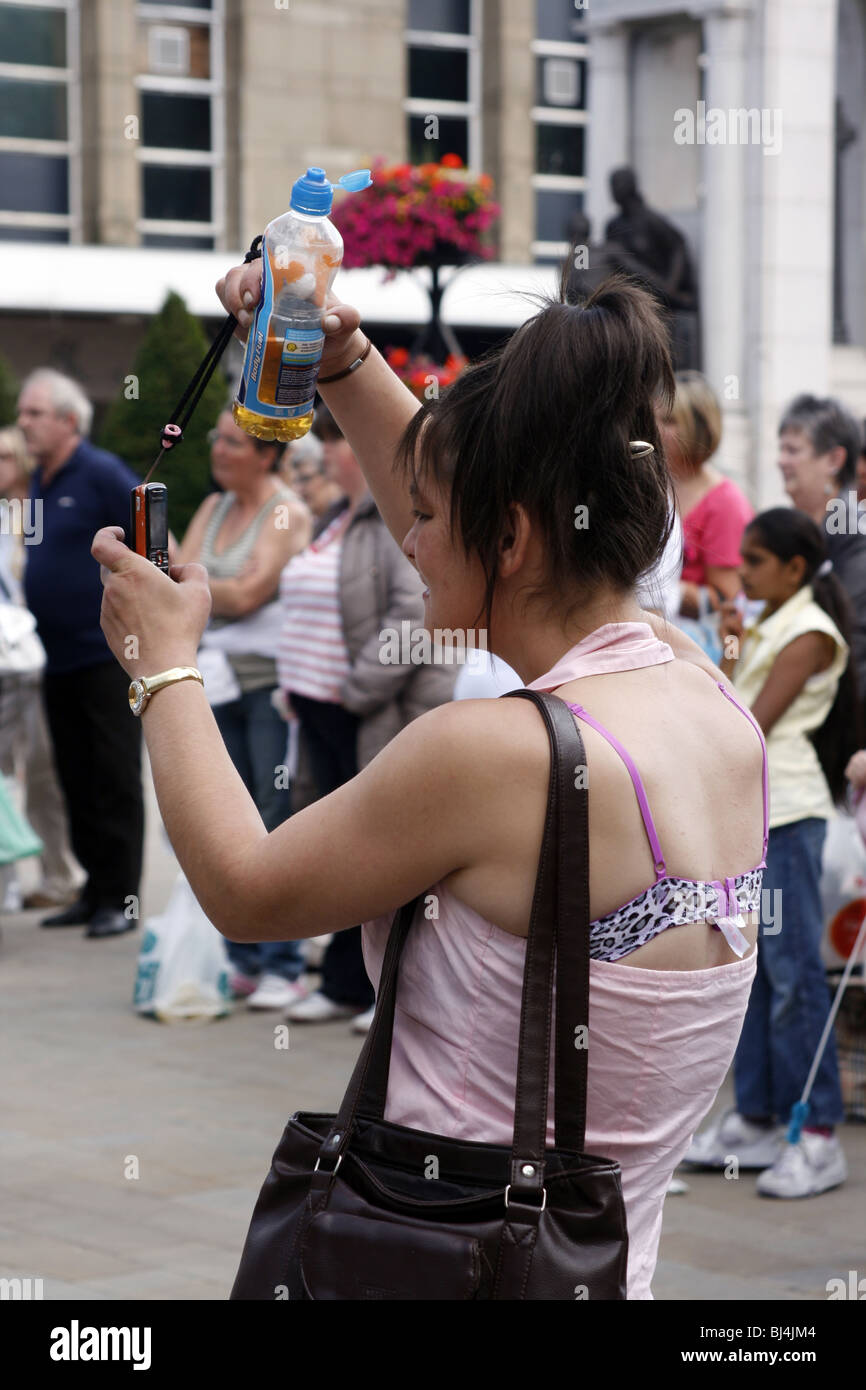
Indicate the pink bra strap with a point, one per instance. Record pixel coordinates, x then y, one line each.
658 857
766 779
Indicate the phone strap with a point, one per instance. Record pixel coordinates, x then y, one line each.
172 433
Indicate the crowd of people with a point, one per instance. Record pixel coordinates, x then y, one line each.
304 578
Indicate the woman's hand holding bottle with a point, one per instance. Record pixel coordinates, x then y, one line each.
239 292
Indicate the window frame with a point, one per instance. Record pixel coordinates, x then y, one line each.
70 148
469 110
557 115
174 16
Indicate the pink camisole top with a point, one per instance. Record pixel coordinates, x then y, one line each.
661 1041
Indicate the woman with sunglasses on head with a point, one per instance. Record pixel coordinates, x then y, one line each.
528 501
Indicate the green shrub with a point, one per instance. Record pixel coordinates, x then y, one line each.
170 353
9 388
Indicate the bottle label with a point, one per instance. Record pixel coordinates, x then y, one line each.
299 367
281 362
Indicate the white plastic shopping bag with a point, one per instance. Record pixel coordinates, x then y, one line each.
182 965
843 880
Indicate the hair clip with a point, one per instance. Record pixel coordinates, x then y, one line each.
640 448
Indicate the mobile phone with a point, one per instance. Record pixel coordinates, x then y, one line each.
148 523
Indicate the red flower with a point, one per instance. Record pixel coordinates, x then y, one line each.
409 209
452 161
398 356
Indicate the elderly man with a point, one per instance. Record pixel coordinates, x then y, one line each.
97 744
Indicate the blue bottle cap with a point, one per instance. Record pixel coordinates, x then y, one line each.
314 193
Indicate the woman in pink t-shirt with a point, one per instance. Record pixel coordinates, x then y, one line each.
713 509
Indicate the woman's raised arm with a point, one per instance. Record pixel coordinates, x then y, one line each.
371 405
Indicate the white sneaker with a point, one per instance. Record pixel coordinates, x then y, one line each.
677 1188
242 985
812 1165
314 949
276 992
733 1137
12 897
318 1008
364 1022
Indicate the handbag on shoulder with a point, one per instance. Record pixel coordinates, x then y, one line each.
348 1211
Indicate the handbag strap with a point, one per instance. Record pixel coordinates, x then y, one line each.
561 899
557 947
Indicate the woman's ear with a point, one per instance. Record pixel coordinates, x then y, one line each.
515 539
797 569
837 457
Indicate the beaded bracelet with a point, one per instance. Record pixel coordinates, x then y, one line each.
323 380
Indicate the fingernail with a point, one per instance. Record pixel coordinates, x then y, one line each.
249 298
331 323
245 318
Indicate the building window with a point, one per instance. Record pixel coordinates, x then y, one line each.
560 116
39 121
443 45
181 82
561 21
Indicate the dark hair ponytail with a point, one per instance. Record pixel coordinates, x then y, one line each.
545 421
787 532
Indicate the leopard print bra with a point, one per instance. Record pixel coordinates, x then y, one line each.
671 902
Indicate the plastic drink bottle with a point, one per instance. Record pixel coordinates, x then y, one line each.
301 254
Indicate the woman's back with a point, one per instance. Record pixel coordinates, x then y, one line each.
700 761
664 1019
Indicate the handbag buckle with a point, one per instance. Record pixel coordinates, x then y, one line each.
543 1197
331 1171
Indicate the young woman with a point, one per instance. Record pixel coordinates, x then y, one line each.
455 804
795 674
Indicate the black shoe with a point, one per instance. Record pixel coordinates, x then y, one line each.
109 921
77 914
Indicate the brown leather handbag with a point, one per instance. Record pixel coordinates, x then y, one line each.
357 1208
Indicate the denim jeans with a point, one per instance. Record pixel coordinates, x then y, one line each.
257 739
790 1000
331 735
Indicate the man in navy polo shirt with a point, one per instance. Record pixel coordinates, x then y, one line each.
97 742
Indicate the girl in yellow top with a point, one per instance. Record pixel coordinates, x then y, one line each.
793 671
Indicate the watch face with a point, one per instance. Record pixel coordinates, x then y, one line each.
137 694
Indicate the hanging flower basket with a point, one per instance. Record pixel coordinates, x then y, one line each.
424 377
418 215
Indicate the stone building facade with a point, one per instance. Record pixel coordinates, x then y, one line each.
770 201
173 131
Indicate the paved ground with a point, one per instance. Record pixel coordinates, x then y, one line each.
88 1087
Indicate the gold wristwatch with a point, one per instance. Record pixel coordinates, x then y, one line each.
143 687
